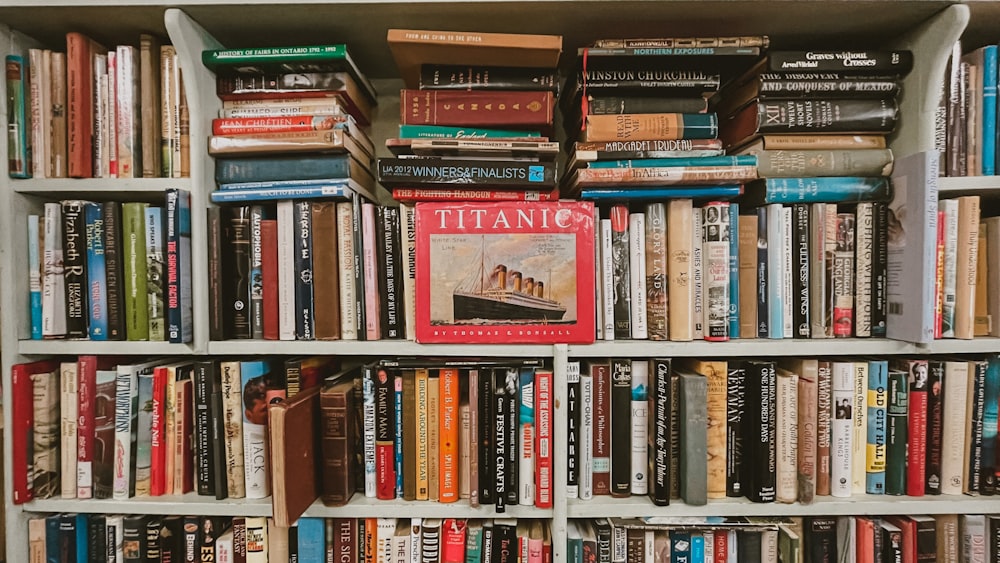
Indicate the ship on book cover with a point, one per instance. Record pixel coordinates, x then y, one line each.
509 272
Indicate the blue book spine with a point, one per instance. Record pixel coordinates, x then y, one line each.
262 169
824 190
739 160
326 191
82 542
878 400
96 271
179 307
311 539
990 416
303 272
697 547
775 270
734 270
18 113
680 547
660 194
282 184
34 279
52 538
989 81
763 324
398 442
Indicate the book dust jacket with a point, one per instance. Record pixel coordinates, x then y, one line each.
505 273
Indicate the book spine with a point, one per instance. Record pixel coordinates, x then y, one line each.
393 323
96 273
543 472
574 411
859 429
775 270
829 116
68 429
157 434
824 426
408 267
370 426
763 273
931 480
499 442
716 234
967 256
697 276
955 416
748 276
287 240
801 254
256 273
917 431
775 87
238 293
760 433
449 425
35 276
694 425
787 282
470 78
526 428
639 411
940 277
126 399
155 270
270 310
602 426
442 107
256 457
79 116
734 269
667 82
611 105
896 433
304 313
218 243
989 110
880 270
423 434
75 268
786 436
807 408
656 271
817 269
203 470
620 267
87 394
877 401
735 408
232 412
974 430
345 265
384 430
512 475
129 113
178 291
650 126
588 411
109 161
866 63
637 276
798 163
373 321
262 169
843 276
864 234
336 402
607 280
659 432
326 299
278 124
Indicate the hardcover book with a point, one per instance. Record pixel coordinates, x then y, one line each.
527 275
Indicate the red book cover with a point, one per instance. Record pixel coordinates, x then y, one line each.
543 438
269 271
22 422
80 51
184 464
916 446
865 542
87 391
939 277
909 532
453 541
601 468
721 546
505 272
279 124
516 109
157 450
385 434
450 194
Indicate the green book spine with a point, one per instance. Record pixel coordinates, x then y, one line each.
895 463
136 298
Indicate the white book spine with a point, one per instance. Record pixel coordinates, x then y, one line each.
53 280
697 275
715 250
608 279
787 272
859 431
586 465
817 268
841 449
224 549
956 386
286 270
598 280
637 274
368 433
385 531
973 528
775 270
408 224
864 233
786 436
846 535
345 261
39 160
126 397
649 547
640 427
401 546
732 554
69 385
709 537
415 543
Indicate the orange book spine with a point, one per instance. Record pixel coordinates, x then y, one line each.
448 438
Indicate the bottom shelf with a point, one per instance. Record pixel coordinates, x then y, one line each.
360 506
638 507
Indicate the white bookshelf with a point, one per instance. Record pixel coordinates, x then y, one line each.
928 27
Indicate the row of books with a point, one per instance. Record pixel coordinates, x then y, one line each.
966 120
310 270
910 538
781 431
94 112
91 537
778 271
111 271
968 258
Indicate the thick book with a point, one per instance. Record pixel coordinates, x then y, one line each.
23 425
861 63
135 270
126 430
621 415
155 270
19 98
556 236
75 268
649 127
280 85
759 452
466 173
295 455
511 109
659 176
412 195
808 116
97 309
781 163
236 268
481 77
297 167
80 51
338 460
817 190
694 425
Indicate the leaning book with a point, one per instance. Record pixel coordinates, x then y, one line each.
519 272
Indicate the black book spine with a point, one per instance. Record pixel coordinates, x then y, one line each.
154 549
67 537
872 63
659 431
512 474
573 411
192 548
171 544
735 405
382 257
855 88
759 459
256 274
293 544
602 530
620 271
800 274
505 548
75 267
111 213
208 532
880 270
486 436
935 427
476 77
359 272
763 326
469 173
617 105
218 433
304 316
96 538
203 443
821 539
748 545
826 116
134 537
649 80
236 267
927 541
393 312
992 540
621 430
976 407
675 436
499 412
216 292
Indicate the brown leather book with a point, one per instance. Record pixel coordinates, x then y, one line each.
149 93
337 406
80 51
293 440
326 293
